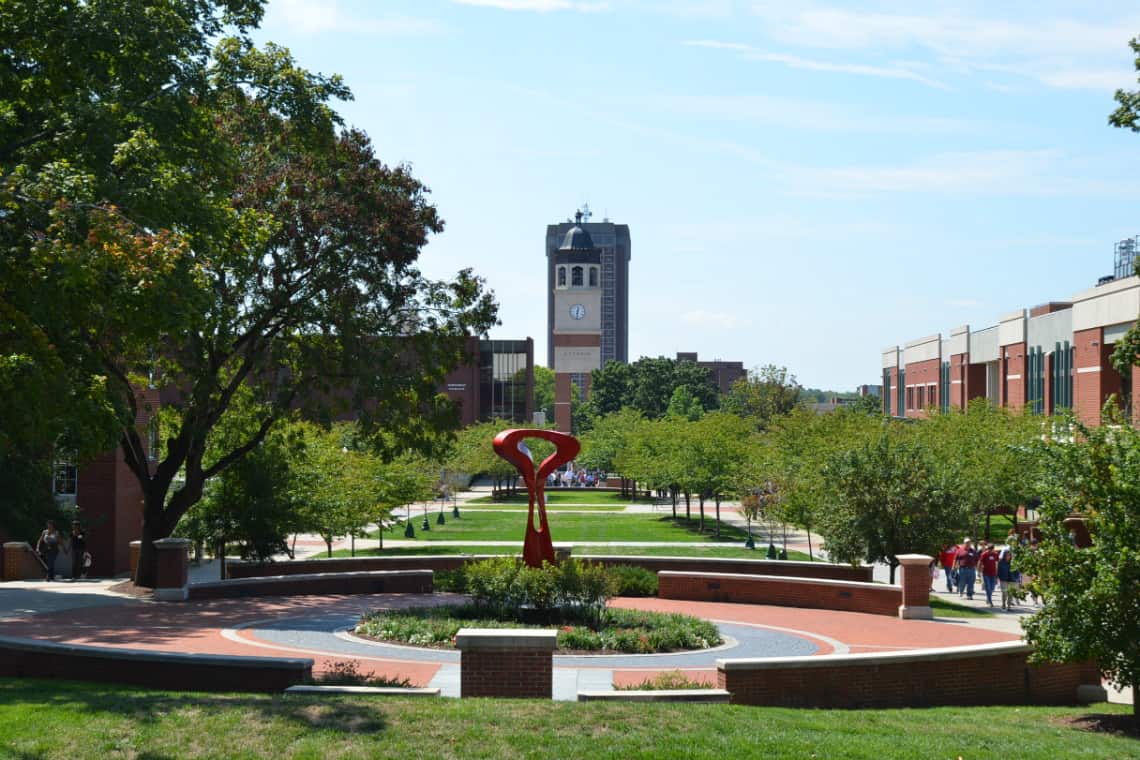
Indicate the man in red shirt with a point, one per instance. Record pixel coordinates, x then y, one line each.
989 563
966 563
946 558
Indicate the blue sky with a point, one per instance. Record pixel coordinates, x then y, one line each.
805 183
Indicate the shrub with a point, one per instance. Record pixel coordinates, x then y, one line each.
502 585
670 679
347 673
634 581
450 580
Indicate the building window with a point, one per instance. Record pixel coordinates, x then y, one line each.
561 277
593 277
576 277
921 397
152 439
64 476
910 398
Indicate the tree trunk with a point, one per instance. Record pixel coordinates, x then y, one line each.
352 544
222 558
811 557
688 511
328 544
673 496
987 525
894 563
718 515
701 501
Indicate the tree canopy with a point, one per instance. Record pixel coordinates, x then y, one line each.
184 210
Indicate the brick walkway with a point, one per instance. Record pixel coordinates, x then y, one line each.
231 626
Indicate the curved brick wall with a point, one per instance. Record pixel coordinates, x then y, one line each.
990 674
873 598
374 582
26 658
653 564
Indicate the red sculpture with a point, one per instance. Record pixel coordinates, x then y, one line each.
537 546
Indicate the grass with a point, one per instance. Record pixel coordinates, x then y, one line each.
717 551
521 506
945 609
579 496
50 720
502 526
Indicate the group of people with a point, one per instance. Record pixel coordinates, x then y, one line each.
576 478
51 542
962 563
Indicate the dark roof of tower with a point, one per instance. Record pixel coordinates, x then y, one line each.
577 239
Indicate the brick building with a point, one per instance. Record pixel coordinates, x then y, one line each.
724 374
1049 357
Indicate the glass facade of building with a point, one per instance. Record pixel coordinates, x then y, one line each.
504 371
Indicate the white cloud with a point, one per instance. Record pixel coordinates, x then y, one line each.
721 320
541 6
894 71
1057 52
322 16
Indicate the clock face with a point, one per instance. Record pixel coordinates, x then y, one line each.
577 311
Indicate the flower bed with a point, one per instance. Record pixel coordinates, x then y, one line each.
628 631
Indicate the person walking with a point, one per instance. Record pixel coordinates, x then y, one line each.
946 556
966 562
989 564
1005 574
78 550
48 548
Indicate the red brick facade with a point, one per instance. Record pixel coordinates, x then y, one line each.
507 674
1094 378
1011 370
925 375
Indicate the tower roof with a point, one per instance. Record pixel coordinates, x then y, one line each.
577 239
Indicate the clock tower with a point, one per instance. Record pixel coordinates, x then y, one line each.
576 324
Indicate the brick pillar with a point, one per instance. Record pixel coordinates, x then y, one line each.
562 402
135 547
173 569
915 582
504 662
21 562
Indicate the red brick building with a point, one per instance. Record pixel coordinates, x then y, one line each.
1049 357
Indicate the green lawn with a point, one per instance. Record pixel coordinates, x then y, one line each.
719 551
63 720
522 506
580 496
945 609
508 526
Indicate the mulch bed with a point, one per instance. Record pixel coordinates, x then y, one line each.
1119 725
129 588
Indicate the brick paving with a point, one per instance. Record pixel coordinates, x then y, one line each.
230 626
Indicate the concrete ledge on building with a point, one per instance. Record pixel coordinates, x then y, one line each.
712 696
366 582
814 593
374 691
236 570
505 639
31 658
996 673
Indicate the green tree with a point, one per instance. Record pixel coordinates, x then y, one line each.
192 214
648 385
890 499
544 391
1092 595
766 394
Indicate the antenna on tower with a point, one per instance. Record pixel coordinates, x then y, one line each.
586 213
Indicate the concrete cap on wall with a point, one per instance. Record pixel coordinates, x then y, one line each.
499 639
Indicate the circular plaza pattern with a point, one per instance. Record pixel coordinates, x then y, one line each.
316 627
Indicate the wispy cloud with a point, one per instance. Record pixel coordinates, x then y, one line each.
721 320
1057 52
540 6
748 52
322 16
